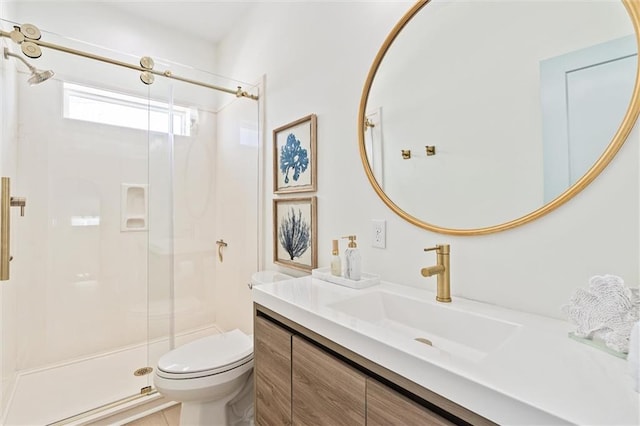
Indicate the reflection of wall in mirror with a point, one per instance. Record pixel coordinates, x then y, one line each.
482 115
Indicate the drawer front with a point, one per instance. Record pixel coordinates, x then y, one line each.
326 391
272 372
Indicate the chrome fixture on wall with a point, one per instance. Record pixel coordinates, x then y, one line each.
37 76
25 35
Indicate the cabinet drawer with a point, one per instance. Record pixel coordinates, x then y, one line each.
387 407
272 373
326 391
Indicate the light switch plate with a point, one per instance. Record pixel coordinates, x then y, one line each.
379 233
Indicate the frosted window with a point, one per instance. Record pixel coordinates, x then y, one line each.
116 109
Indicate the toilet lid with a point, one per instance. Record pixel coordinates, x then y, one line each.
209 355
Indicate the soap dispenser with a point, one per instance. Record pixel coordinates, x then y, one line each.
352 260
336 263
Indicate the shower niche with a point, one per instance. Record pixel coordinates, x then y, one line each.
134 207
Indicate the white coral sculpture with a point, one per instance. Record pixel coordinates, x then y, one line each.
606 310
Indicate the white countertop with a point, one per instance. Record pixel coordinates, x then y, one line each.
539 376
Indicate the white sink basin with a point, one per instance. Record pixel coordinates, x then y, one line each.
444 327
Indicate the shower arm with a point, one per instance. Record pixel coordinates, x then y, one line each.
21 59
238 92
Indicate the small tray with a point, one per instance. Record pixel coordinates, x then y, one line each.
366 280
598 344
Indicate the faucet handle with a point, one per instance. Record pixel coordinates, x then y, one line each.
440 249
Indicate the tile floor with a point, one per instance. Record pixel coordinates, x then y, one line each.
167 417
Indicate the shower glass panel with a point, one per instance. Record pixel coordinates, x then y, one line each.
75 311
211 132
128 188
181 309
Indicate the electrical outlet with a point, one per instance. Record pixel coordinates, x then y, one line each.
379 237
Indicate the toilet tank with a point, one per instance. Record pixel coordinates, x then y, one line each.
265 277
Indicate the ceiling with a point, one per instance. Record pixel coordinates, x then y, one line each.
210 20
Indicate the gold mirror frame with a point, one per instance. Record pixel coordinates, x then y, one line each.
632 7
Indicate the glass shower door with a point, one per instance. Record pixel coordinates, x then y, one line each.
75 311
182 290
214 209
128 189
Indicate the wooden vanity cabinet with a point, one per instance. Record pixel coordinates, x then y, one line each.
326 391
302 378
272 373
387 407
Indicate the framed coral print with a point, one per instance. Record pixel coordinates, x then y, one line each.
294 156
294 233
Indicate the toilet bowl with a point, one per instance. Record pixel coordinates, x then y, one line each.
207 374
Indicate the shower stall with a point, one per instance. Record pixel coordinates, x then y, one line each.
127 186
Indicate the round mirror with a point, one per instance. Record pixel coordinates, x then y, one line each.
479 116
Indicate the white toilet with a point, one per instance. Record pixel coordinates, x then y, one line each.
206 374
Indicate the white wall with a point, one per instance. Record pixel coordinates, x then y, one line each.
316 56
97 23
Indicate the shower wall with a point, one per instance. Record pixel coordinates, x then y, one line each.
84 279
237 180
94 285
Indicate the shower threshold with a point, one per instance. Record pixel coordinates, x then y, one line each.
88 417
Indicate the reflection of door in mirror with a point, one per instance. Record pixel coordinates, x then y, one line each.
583 94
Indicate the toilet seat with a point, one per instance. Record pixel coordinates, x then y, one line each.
208 356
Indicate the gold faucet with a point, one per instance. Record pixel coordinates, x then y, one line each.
442 270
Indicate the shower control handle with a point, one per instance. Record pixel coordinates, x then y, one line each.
221 244
19 202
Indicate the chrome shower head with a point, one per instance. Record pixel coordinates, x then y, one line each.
37 76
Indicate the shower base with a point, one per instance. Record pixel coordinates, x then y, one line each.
50 395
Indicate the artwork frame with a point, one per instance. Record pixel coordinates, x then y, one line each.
293 172
295 219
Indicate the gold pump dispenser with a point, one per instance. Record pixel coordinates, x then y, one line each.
352 241
352 260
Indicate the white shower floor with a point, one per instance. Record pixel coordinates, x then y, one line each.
54 393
